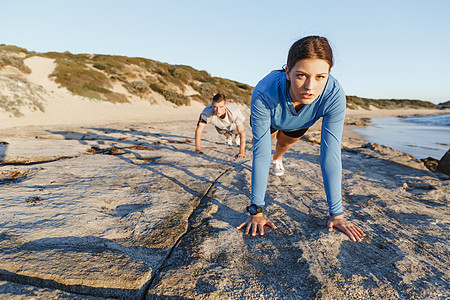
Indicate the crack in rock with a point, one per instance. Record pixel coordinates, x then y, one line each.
153 278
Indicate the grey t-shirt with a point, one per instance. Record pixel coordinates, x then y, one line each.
233 117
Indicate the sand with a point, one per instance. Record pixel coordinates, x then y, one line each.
63 108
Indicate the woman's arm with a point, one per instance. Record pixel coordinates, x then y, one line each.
262 148
331 165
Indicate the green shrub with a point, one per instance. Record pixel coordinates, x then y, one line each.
17 62
65 55
86 93
157 88
138 87
11 48
176 98
71 73
243 86
116 97
201 76
208 90
167 78
110 64
182 74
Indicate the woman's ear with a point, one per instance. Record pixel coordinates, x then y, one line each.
286 69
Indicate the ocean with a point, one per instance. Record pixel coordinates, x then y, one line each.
420 136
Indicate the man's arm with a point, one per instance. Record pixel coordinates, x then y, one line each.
198 138
241 131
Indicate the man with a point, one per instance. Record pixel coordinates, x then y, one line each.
228 120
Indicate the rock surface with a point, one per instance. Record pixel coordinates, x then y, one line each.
127 211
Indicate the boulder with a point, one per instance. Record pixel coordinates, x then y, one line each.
430 163
444 163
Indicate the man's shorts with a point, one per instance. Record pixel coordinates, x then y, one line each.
223 131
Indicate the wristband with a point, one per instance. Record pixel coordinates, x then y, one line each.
254 209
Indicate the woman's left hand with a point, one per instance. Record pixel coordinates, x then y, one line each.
346 227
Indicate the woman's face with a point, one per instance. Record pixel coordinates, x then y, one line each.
308 78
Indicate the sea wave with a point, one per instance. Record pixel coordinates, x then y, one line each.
420 136
436 120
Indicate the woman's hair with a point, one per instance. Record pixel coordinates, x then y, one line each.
310 47
219 98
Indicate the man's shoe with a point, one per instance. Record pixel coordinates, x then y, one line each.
277 168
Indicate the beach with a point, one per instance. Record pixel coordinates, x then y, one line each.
102 201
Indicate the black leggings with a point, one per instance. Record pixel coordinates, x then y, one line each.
292 134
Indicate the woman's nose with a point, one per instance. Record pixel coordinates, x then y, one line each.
308 84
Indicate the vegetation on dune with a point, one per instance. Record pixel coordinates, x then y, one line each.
10 106
17 62
444 105
18 95
83 81
13 56
354 102
94 76
11 48
141 76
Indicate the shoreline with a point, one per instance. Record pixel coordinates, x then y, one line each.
363 117
406 144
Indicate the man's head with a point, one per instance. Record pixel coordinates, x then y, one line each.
219 105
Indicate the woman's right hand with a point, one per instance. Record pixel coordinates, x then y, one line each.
255 223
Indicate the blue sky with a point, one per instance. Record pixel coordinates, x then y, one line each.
383 49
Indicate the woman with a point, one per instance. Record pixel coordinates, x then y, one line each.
286 103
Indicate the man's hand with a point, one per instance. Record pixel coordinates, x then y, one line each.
239 155
198 151
346 227
255 223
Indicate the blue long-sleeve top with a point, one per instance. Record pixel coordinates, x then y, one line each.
271 106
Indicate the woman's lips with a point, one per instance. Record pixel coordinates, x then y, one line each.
307 95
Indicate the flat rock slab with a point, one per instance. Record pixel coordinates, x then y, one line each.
80 217
128 211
